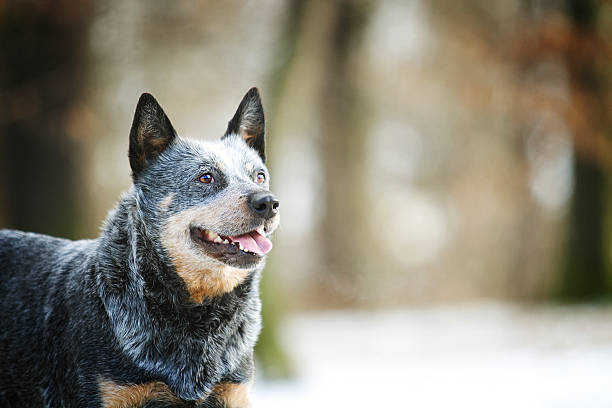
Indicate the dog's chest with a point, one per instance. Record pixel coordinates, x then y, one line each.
237 335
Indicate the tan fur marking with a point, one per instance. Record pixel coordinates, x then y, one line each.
203 275
233 395
140 134
134 395
158 143
165 203
247 137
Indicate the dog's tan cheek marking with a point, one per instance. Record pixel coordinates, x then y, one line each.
165 203
233 395
216 282
202 275
114 395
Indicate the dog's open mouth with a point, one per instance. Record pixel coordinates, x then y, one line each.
237 250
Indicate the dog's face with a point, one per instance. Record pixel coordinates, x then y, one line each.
208 202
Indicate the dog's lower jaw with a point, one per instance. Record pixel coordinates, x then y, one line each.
226 253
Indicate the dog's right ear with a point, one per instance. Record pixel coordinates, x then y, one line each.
150 135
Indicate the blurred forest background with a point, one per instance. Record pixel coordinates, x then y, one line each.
426 153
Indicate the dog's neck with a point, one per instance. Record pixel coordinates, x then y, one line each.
124 241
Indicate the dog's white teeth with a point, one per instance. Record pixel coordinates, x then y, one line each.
218 240
225 241
240 246
212 236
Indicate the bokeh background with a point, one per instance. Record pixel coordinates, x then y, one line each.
443 169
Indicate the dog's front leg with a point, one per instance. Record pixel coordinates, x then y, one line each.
233 391
166 404
230 395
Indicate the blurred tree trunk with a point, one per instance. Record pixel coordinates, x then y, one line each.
343 136
42 70
268 350
313 68
584 272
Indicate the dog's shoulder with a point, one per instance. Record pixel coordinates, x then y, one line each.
16 244
10 238
27 255
18 247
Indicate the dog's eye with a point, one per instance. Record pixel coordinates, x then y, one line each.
207 178
260 178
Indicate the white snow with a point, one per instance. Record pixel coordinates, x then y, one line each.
477 355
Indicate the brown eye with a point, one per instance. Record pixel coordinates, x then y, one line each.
207 178
260 178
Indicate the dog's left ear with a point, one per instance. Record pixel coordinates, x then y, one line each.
249 123
150 135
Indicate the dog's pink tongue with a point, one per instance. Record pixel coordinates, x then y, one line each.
254 242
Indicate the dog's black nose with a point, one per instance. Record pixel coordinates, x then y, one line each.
264 204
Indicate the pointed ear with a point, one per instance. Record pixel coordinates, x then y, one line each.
249 123
150 135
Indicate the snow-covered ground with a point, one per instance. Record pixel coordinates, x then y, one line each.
476 355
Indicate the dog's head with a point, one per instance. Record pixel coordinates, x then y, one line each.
208 203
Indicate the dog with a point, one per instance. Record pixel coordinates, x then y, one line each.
162 309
